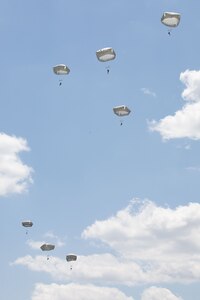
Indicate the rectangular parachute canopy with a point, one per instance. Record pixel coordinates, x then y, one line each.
61 69
71 257
27 223
121 110
47 247
105 54
171 19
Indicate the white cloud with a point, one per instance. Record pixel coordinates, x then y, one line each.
35 244
191 79
145 231
164 242
194 168
185 123
76 292
147 91
14 175
150 244
157 293
99 268
52 236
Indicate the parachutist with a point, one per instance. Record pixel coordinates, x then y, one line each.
27 224
121 111
108 71
47 247
171 19
60 83
71 257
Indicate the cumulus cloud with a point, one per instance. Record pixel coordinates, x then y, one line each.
164 242
185 123
148 244
76 292
157 293
14 175
148 231
99 268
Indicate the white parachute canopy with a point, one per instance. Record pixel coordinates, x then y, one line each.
61 69
27 223
171 19
121 110
105 54
47 247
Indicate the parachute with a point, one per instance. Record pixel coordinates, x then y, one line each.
71 258
105 55
47 247
61 70
171 19
121 111
27 224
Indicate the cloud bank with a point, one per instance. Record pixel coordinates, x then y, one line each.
86 292
76 292
148 244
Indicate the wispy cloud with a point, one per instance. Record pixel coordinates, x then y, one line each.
35 244
185 146
194 168
147 91
48 237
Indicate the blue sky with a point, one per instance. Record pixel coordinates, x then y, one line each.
125 199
